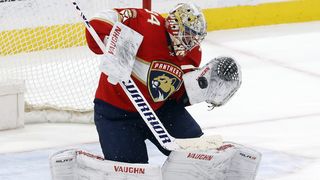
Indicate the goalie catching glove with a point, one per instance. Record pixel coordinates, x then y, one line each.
214 83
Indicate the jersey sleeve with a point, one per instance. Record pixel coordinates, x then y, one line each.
127 14
193 58
102 23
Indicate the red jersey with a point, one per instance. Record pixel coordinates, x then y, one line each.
157 71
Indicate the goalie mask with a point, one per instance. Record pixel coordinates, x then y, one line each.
186 26
214 83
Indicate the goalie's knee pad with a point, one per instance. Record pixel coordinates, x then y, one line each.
80 165
228 162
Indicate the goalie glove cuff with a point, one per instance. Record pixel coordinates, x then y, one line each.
214 83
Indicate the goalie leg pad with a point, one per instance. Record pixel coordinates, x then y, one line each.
229 162
81 165
63 164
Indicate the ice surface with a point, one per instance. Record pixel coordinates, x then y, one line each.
276 111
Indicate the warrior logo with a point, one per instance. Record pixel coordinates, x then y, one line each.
163 80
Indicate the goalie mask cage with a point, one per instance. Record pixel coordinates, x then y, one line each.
42 42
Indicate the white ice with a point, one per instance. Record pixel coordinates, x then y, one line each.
276 111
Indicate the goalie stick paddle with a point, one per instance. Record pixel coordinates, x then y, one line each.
136 97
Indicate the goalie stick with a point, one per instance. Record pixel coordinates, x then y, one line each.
148 115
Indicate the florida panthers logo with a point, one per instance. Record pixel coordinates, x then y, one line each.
164 85
163 80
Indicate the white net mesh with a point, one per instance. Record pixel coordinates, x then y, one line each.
43 43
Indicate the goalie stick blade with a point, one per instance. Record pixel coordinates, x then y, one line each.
201 143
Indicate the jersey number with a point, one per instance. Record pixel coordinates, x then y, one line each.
153 18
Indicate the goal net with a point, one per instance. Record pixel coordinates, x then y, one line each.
42 42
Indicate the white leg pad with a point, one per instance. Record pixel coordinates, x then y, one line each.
229 162
80 165
63 164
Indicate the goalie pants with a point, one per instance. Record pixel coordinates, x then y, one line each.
122 134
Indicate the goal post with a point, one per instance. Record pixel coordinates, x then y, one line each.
147 4
42 42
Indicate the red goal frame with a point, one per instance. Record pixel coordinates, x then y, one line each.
147 4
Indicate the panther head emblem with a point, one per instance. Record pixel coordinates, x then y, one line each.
164 86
